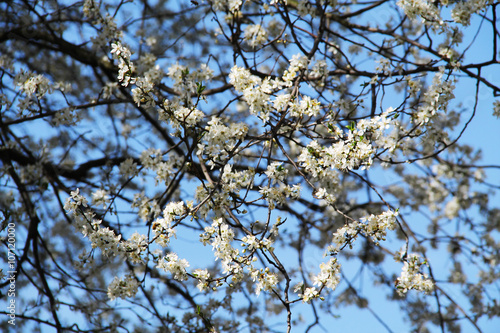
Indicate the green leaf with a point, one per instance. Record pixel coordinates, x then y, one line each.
199 88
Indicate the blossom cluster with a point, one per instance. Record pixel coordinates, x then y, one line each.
111 244
203 277
373 226
231 5
255 35
126 67
36 87
352 150
329 275
86 222
427 10
233 181
265 280
430 11
177 267
187 80
219 139
342 155
411 276
278 195
123 287
148 208
31 84
258 92
435 99
163 226
220 235
108 30
463 10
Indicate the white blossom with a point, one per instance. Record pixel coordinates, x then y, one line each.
123 287
412 278
309 294
255 35
177 267
100 197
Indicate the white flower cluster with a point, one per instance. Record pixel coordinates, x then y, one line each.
276 172
146 75
430 13
147 207
376 129
108 30
265 279
90 8
143 94
384 66
351 153
220 236
109 89
163 226
128 168
462 11
305 8
75 201
177 267
231 182
135 246
223 5
413 85
355 149
100 237
319 72
85 260
100 197
33 85
435 98
104 239
219 139
234 181
307 106
186 80
203 277
111 244
411 277
152 159
426 10
279 195
253 243
257 92
66 116
329 277
123 288
374 226
297 64
126 68
255 35
309 294
327 194
452 208
189 117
